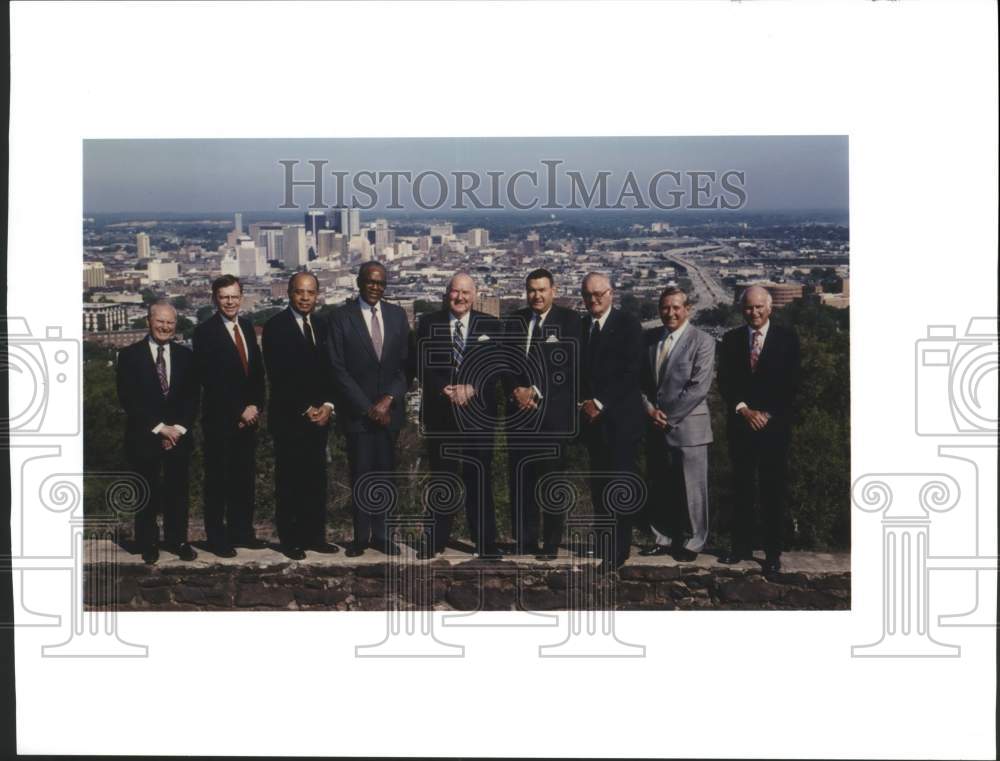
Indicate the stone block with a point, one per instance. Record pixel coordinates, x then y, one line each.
648 572
834 581
750 590
203 596
542 599
465 595
157 595
260 596
811 599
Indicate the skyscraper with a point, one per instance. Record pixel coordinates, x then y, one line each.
295 252
238 223
142 246
315 221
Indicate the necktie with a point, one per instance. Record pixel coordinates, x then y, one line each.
664 352
376 333
307 329
758 344
161 371
533 337
595 335
457 345
241 348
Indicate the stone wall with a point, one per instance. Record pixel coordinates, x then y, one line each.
339 584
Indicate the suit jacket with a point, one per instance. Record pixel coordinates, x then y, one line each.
551 367
682 387
227 389
145 406
770 387
300 374
481 368
612 375
360 378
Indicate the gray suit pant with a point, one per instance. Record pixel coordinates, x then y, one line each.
687 481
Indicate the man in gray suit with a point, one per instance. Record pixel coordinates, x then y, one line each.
677 373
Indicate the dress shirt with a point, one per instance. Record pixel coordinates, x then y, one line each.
301 322
675 336
366 312
540 319
590 329
153 346
763 339
453 320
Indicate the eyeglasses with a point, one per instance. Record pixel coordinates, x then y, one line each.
596 296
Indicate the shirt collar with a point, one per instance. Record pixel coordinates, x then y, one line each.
152 342
763 330
602 320
540 317
229 323
464 319
366 307
299 317
677 333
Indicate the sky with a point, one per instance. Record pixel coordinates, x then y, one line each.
781 173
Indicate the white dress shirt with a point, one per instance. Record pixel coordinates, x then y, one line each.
540 319
366 312
153 350
600 321
300 320
763 338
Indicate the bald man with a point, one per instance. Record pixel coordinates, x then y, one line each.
458 366
758 378
158 388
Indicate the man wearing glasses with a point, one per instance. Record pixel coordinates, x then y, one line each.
369 346
612 410
232 378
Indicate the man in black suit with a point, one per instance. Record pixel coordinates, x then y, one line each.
298 414
232 378
611 411
758 378
158 388
369 345
541 390
458 369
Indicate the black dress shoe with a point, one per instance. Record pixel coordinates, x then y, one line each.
733 556
150 555
684 555
772 565
655 551
547 553
324 548
293 553
184 551
222 550
355 550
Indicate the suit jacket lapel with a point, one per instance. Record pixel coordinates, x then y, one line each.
361 327
681 343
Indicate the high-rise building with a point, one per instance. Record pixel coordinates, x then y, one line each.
345 221
268 236
238 223
230 265
101 317
295 252
251 260
330 244
383 235
355 221
160 270
142 246
478 237
93 275
315 221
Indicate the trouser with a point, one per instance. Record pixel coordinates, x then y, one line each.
528 464
167 477
611 457
473 464
680 503
300 481
371 459
230 474
763 471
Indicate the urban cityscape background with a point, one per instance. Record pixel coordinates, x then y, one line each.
801 257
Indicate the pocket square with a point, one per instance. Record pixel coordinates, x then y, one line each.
483 337
551 339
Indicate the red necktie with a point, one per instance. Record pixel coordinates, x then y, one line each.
241 348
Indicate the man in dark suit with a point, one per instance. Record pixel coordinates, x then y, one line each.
677 374
158 388
758 378
232 378
369 345
611 410
298 414
541 391
458 370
